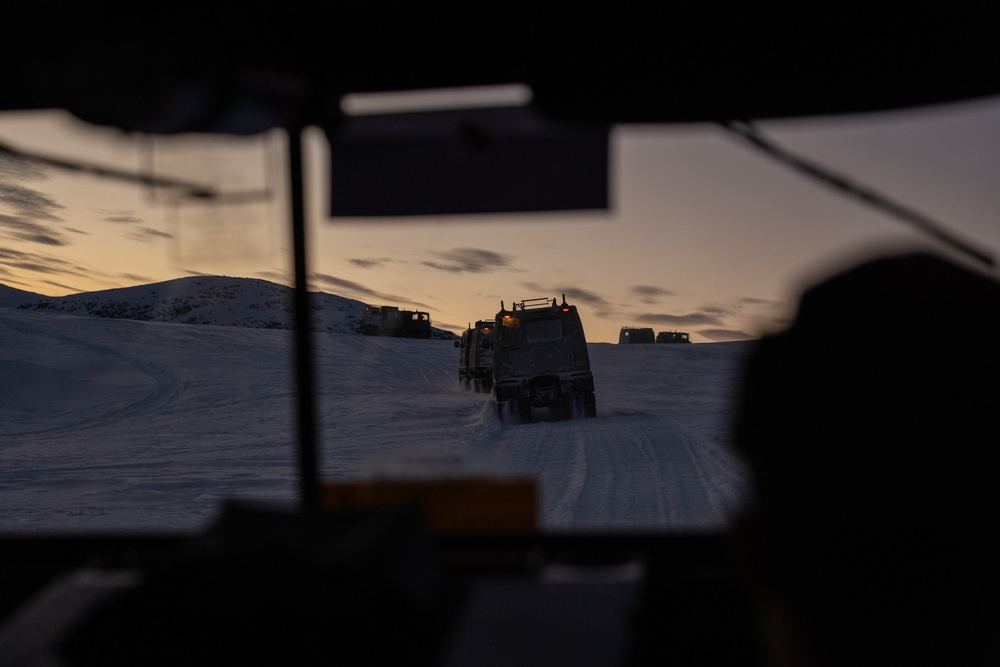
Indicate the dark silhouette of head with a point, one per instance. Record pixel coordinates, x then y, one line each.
870 427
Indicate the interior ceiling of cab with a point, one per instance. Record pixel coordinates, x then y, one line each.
243 69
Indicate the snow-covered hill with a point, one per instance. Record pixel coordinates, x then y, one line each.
215 300
10 297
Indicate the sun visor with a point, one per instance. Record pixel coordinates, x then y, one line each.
462 161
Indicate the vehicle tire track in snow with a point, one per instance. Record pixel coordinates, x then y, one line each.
626 471
721 475
650 460
166 386
562 508
592 472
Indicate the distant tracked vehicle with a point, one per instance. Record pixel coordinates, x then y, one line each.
636 335
391 321
673 337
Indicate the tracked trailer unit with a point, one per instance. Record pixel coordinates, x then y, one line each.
475 357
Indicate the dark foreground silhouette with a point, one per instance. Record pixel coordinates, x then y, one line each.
871 429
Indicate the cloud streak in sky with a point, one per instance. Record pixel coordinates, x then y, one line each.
121 217
725 334
368 263
707 317
359 290
28 202
574 295
12 167
148 234
32 232
649 293
754 301
24 211
45 264
137 230
579 295
469 260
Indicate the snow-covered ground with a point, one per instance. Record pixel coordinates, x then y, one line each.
110 424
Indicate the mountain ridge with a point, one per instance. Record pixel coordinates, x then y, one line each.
207 300
11 296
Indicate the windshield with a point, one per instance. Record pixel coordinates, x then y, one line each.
147 371
540 330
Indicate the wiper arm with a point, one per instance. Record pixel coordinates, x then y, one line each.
755 138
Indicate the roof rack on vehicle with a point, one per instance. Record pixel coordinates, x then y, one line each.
541 302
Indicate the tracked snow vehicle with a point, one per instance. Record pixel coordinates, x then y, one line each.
391 321
630 335
673 337
540 360
475 357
